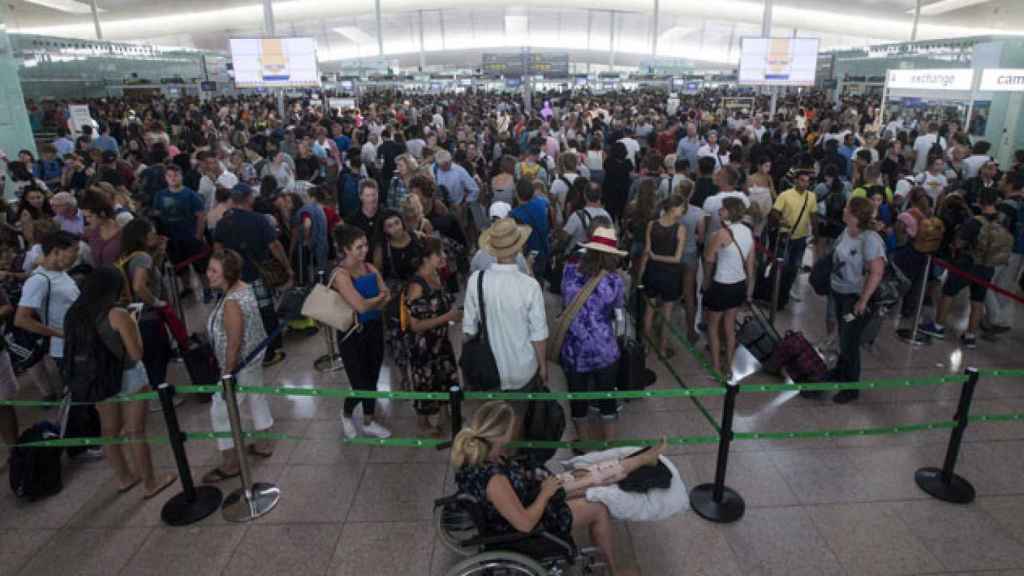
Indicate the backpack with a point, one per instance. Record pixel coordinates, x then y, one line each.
348 194
34 472
936 151
835 204
154 180
930 232
545 422
993 245
91 372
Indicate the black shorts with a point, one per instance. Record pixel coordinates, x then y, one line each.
955 283
722 297
663 282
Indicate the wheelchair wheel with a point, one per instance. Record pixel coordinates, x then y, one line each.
498 563
454 525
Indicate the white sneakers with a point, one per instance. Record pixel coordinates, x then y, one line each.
374 429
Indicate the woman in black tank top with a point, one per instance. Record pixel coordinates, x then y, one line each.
661 269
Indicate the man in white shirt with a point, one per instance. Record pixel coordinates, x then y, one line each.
979 156
517 327
414 143
726 180
689 145
757 128
923 144
214 175
567 164
934 180
711 149
368 153
632 146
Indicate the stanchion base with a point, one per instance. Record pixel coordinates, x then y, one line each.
262 499
730 509
178 511
328 363
958 491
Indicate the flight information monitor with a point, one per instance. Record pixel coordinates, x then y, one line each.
274 62
778 61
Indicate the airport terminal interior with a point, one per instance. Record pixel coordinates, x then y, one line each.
436 288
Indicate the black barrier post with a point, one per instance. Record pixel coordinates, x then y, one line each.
781 255
717 502
944 484
455 405
192 504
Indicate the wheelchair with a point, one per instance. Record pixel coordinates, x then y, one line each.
459 523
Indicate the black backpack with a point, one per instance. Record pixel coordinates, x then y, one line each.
91 372
35 471
544 421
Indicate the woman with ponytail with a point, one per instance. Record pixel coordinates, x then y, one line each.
479 454
661 270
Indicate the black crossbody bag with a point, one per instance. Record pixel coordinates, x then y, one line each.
479 368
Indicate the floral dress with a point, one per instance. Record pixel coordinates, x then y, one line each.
472 480
432 366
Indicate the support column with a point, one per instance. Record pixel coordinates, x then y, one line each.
423 55
15 129
611 40
380 30
440 20
96 19
766 31
917 17
590 26
268 17
654 33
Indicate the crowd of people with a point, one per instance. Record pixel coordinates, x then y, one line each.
409 205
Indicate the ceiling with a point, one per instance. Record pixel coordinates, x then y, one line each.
707 31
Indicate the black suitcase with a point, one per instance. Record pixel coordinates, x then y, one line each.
632 371
757 335
200 362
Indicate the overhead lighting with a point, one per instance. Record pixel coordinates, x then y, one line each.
355 34
516 25
69 6
943 6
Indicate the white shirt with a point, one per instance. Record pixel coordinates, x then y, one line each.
515 320
721 159
973 163
62 292
934 184
922 145
368 154
415 147
559 188
730 266
632 149
208 188
712 204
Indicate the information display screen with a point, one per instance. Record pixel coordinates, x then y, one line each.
274 62
778 61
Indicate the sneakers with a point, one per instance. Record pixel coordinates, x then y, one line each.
932 329
91 454
969 341
348 428
376 430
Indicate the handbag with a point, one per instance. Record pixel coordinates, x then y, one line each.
328 307
478 366
554 350
28 348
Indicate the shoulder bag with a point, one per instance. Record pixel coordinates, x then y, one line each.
478 366
28 348
327 306
565 320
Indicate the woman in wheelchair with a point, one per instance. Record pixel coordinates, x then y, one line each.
516 499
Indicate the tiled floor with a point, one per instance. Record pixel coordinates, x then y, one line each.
815 507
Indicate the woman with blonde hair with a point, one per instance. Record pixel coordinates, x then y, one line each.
405 168
730 254
504 486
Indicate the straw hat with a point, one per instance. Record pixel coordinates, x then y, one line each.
604 240
504 238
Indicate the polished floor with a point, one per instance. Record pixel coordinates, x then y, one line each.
837 506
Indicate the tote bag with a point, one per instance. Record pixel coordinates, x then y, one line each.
326 306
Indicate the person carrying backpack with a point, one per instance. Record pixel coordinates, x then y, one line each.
999 310
982 244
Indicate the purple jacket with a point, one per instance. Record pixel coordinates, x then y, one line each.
591 343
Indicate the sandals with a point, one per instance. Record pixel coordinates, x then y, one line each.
131 485
170 479
217 475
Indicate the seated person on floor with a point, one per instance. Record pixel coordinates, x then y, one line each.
515 499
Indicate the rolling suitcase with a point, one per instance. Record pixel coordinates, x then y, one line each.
757 335
801 361
201 363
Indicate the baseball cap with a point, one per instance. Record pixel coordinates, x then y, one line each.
500 210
